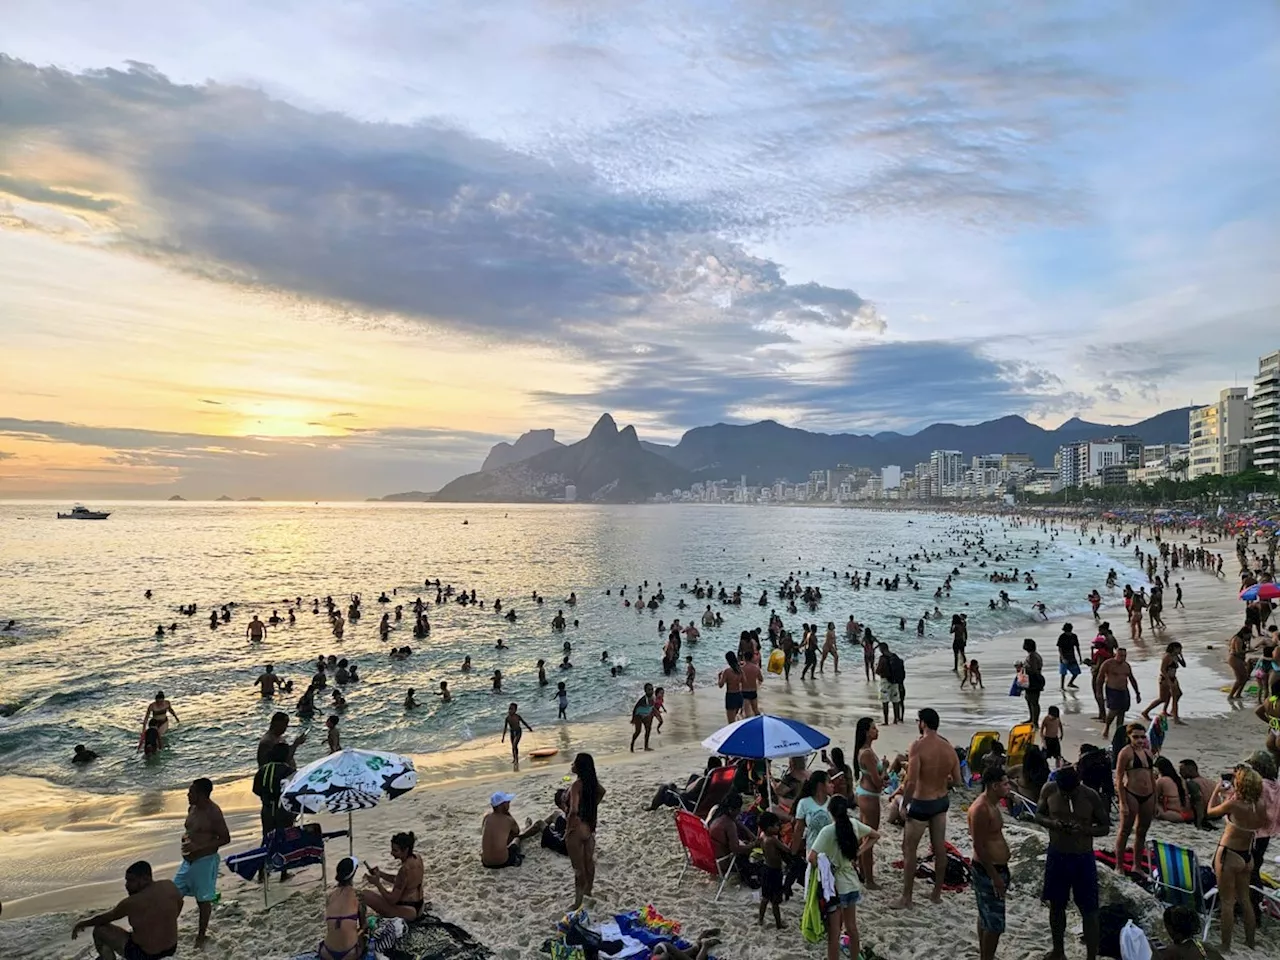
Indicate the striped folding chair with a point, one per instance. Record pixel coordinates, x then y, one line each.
1176 874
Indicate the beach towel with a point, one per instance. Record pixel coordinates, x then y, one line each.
813 922
430 938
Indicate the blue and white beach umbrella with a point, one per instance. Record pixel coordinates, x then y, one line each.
766 738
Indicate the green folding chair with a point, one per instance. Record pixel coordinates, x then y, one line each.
1176 875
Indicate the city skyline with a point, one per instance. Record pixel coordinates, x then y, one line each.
343 250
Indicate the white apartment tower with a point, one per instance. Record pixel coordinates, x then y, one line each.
1266 414
1219 432
946 467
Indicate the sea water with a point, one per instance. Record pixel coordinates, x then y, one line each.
84 662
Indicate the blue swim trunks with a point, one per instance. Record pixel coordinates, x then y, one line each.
990 907
199 878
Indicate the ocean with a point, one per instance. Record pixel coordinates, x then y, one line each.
83 662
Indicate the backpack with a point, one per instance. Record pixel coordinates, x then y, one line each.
897 669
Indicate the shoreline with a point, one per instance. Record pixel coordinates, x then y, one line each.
95 823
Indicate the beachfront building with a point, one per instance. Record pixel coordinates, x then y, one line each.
1081 464
1163 461
890 477
946 468
1264 443
1219 433
1017 463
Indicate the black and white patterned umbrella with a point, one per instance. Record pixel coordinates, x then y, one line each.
349 780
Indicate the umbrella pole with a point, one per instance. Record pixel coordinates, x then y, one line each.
351 840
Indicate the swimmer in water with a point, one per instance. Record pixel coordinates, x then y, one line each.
268 681
409 702
256 630
445 695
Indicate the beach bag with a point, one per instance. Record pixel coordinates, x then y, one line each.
1134 944
813 924
777 661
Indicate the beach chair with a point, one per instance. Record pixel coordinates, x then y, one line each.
1021 736
699 852
290 848
1021 806
979 747
716 786
1179 881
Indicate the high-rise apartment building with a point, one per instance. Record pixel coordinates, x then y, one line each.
1265 441
1219 432
946 467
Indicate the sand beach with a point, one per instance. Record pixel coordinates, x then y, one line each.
73 861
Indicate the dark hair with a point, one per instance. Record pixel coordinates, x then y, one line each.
1167 770
1029 645
732 802
837 761
846 835
345 872
768 819
1035 768
814 780
584 765
731 658
929 717
993 775
278 718
140 869
713 762
404 841
1182 921
860 740
203 785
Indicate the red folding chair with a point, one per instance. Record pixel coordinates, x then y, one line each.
717 785
699 852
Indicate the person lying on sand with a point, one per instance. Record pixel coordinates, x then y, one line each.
702 947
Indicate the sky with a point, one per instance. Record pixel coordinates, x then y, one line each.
338 249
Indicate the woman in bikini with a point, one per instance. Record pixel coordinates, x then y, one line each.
1240 805
580 826
1176 805
1136 791
869 768
731 679
403 898
1269 713
1170 690
1237 653
344 917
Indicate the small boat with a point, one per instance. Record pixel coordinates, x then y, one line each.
81 512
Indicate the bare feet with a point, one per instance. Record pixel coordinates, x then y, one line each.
901 905
936 896
871 885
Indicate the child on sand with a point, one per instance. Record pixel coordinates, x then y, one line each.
658 708
972 675
1051 734
562 698
511 724
689 673
771 874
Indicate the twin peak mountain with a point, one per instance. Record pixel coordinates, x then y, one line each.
615 466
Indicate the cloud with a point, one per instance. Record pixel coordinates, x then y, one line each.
898 385
362 463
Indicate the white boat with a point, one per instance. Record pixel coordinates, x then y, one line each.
81 512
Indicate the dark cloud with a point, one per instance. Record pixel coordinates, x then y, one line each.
40 193
906 385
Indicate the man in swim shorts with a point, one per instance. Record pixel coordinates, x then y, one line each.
500 834
1115 676
990 859
932 769
151 908
205 830
1073 814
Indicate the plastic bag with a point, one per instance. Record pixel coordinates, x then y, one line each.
1134 944
777 661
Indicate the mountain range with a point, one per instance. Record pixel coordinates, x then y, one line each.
615 465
